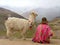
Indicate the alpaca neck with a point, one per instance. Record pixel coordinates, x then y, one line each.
31 19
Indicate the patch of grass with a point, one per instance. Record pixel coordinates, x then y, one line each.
29 33
55 37
2 33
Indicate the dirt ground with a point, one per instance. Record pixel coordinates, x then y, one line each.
26 42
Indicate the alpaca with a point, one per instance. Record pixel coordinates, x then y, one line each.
19 24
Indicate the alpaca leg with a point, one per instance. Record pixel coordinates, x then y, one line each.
23 32
8 33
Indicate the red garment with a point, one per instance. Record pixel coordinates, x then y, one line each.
43 32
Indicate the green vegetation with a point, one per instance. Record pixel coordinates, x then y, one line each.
28 34
2 33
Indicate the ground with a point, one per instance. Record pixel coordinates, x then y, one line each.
26 42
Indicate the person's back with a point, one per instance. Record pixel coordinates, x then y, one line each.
43 32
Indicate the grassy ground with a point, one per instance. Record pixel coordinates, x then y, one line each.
2 33
28 34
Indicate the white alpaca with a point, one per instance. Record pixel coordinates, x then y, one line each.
13 23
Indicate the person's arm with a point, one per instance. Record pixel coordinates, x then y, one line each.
50 31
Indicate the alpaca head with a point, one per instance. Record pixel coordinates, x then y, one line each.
32 18
34 14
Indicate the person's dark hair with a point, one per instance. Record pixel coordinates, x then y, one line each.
44 20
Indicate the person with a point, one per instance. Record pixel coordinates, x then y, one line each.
43 32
